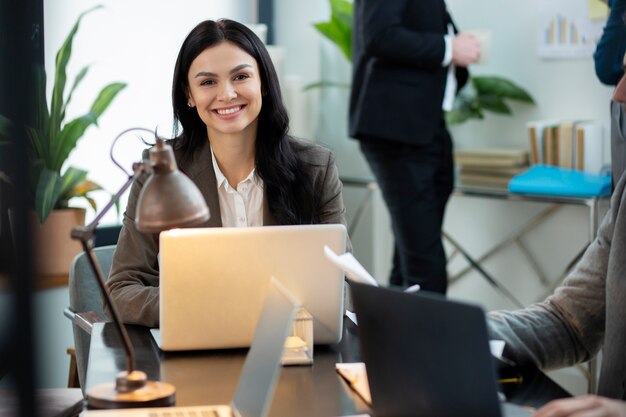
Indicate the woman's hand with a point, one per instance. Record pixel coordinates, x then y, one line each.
586 406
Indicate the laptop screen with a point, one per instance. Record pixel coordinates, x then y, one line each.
213 282
424 354
262 366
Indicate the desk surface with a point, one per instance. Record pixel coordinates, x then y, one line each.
210 377
486 191
503 194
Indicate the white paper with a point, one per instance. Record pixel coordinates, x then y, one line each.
356 375
496 347
350 266
351 316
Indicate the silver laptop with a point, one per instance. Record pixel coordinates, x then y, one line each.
260 372
213 282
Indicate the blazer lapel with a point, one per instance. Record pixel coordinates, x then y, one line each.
200 170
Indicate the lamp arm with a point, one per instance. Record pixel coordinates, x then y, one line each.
85 235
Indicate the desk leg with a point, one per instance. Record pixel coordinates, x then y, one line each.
499 287
516 238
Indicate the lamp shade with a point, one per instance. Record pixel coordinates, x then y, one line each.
168 198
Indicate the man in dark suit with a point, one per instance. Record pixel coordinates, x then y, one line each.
406 60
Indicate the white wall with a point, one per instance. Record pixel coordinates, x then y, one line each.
131 41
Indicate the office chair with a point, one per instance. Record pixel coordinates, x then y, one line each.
85 307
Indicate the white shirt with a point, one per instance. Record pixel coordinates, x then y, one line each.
450 91
241 206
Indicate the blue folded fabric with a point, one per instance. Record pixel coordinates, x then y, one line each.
550 180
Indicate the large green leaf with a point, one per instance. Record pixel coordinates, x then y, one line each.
343 10
457 116
494 103
466 106
70 179
47 193
323 84
81 74
339 33
105 97
68 138
60 78
37 143
501 87
74 130
53 190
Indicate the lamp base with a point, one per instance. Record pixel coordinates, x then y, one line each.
152 394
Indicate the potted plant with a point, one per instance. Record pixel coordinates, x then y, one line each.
482 93
52 139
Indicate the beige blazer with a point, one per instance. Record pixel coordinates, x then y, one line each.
134 278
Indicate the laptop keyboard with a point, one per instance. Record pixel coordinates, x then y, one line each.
184 413
194 411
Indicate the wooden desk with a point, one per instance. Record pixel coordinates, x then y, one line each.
210 377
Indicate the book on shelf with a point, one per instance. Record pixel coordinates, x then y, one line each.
551 144
510 162
589 147
536 136
491 158
572 144
484 180
565 157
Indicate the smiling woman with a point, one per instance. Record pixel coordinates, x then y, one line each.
234 145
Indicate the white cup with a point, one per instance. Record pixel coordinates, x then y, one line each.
483 36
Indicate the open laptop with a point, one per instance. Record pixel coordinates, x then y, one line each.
426 355
213 282
260 372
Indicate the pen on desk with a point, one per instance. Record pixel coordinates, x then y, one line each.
513 380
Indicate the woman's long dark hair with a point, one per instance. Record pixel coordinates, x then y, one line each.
289 191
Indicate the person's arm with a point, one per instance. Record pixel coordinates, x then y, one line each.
568 327
134 278
387 38
609 54
585 406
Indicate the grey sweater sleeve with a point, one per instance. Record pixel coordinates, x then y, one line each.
568 327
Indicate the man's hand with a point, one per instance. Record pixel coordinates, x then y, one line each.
465 49
587 406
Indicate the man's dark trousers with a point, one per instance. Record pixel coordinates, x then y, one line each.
416 182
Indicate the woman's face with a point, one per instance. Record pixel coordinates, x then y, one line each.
225 87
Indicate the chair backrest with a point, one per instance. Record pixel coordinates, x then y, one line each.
85 293
85 296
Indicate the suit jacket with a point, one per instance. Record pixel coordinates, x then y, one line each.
134 278
398 81
587 312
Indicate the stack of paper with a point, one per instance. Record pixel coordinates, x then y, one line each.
490 167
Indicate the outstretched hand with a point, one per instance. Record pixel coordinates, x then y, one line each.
586 406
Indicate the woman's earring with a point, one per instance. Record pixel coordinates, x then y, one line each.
189 104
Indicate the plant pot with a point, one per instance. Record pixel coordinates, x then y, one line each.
53 248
